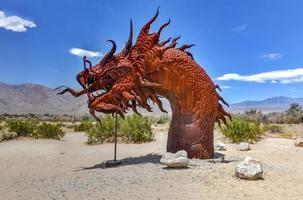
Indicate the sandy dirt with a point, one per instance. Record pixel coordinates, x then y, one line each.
70 169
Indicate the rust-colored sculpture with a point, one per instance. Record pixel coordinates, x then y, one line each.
150 69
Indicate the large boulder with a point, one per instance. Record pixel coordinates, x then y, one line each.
175 160
244 146
250 169
299 142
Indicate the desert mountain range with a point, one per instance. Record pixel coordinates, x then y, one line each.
39 99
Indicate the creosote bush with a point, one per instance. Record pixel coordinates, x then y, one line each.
293 115
101 132
136 129
272 128
133 128
85 125
47 130
31 128
6 135
240 130
22 128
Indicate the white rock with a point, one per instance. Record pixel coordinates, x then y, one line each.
299 142
175 160
250 169
218 158
220 147
244 146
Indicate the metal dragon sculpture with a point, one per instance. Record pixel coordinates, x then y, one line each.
147 70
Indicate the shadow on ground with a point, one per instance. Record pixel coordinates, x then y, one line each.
155 159
149 158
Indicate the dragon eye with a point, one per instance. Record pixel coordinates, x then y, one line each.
90 80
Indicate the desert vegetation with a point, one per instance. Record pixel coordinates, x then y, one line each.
293 115
249 126
133 129
13 128
252 124
240 130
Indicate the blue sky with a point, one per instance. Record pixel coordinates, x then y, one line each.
253 49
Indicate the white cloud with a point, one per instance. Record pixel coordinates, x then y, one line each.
240 28
83 52
15 23
272 56
278 76
225 87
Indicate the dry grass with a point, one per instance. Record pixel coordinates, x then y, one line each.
290 131
281 135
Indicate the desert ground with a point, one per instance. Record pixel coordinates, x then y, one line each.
71 169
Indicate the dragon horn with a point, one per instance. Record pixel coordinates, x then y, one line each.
84 63
129 42
163 26
109 54
146 27
87 61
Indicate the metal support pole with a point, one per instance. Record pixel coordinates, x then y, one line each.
113 163
116 133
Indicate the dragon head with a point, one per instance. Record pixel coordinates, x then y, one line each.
125 77
100 74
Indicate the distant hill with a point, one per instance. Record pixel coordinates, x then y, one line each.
39 99
274 104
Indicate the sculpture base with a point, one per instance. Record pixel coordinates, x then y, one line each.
112 163
193 136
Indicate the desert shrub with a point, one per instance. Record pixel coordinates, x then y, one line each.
94 135
101 132
240 130
85 125
47 130
253 115
70 126
273 128
136 129
22 128
98 134
6 135
276 118
294 114
133 128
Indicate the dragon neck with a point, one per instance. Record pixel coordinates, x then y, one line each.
193 102
184 83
